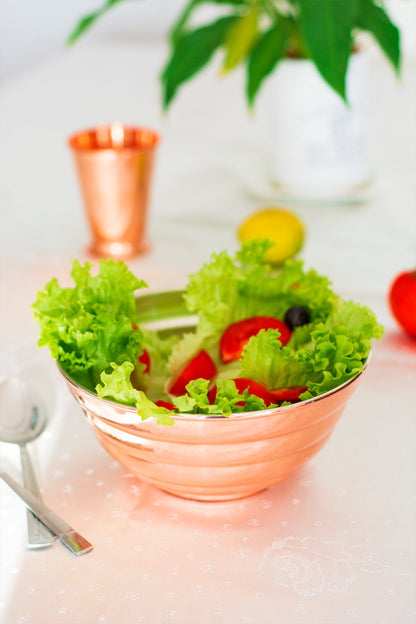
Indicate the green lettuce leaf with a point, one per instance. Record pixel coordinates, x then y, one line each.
356 320
328 354
216 294
160 349
265 360
228 399
116 386
90 325
230 288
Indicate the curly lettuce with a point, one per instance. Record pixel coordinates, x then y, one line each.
328 354
92 330
160 349
116 386
231 288
228 289
92 324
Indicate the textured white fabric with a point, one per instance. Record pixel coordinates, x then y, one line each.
335 543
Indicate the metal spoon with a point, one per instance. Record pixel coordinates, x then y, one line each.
21 421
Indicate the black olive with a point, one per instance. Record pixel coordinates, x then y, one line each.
296 316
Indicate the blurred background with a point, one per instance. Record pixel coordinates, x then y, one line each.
210 176
210 172
32 32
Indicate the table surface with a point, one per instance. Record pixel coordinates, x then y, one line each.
334 543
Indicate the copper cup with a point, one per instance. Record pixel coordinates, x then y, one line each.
114 165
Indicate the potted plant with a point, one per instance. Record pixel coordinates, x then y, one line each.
310 48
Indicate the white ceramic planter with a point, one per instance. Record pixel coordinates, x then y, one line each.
320 146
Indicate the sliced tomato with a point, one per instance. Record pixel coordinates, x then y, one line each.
291 394
144 358
167 404
200 367
242 384
135 377
236 336
212 394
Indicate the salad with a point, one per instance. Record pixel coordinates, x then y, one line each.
264 338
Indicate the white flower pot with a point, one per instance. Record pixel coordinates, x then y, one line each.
320 145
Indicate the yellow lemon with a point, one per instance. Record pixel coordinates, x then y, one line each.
280 226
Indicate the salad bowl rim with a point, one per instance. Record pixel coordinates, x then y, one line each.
214 417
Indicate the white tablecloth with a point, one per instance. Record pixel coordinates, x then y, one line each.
333 544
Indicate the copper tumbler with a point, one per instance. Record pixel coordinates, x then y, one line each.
114 165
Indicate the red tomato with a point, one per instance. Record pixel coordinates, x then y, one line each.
236 336
402 299
242 384
291 394
144 358
201 367
162 403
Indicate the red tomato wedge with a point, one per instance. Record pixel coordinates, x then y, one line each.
291 394
201 367
242 384
144 358
162 403
238 334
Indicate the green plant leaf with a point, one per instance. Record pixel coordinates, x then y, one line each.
82 26
326 26
267 52
376 21
240 38
178 28
191 53
87 21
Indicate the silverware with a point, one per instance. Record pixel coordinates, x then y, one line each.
77 544
22 422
